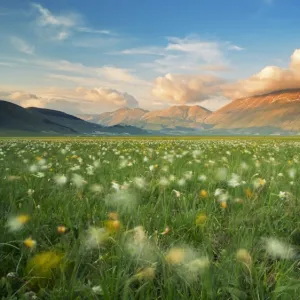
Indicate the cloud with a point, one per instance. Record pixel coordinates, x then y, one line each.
22 46
22 98
186 89
235 48
269 79
61 26
80 100
183 55
108 96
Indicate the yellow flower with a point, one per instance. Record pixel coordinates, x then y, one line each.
201 219
224 204
175 256
242 255
62 229
30 243
23 219
203 193
113 216
17 223
145 274
38 158
248 193
43 263
112 225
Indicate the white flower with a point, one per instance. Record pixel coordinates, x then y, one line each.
78 180
60 179
292 173
279 249
33 168
164 181
221 174
96 188
139 182
39 175
151 168
234 181
283 195
97 290
181 182
177 193
30 192
115 186
202 178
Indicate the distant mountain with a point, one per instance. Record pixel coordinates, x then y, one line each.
15 118
171 118
270 113
121 116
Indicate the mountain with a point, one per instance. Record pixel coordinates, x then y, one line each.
17 118
171 118
121 116
14 118
276 111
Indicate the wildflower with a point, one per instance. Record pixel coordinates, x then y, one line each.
29 243
139 182
44 263
166 231
242 255
203 193
164 181
17 223
78 180
98 290
145 274
96 188
115 186
201 219
30 192
283 195
279 249
202 178
177 193
221 174
113 216
112 225
181 182
95 237
62 229
234 181
248 193
60 179
224 204
175 256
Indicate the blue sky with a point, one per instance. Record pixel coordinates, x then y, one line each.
94 56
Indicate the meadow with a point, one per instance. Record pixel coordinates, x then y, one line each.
85 218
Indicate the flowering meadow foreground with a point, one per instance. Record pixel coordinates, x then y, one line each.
149 219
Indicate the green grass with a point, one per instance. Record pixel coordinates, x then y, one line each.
128 262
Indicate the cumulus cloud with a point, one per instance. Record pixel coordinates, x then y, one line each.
81 100
22 46
108 97
183 89
269 79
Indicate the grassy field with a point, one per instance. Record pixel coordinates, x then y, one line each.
149 218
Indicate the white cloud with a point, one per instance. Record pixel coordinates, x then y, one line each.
235 48
80 100
269 79
22 46
60 26
185 89
108 96
184 55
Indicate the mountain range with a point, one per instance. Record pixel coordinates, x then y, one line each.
16 119
273 113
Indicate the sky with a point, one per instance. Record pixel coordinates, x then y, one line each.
101 55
